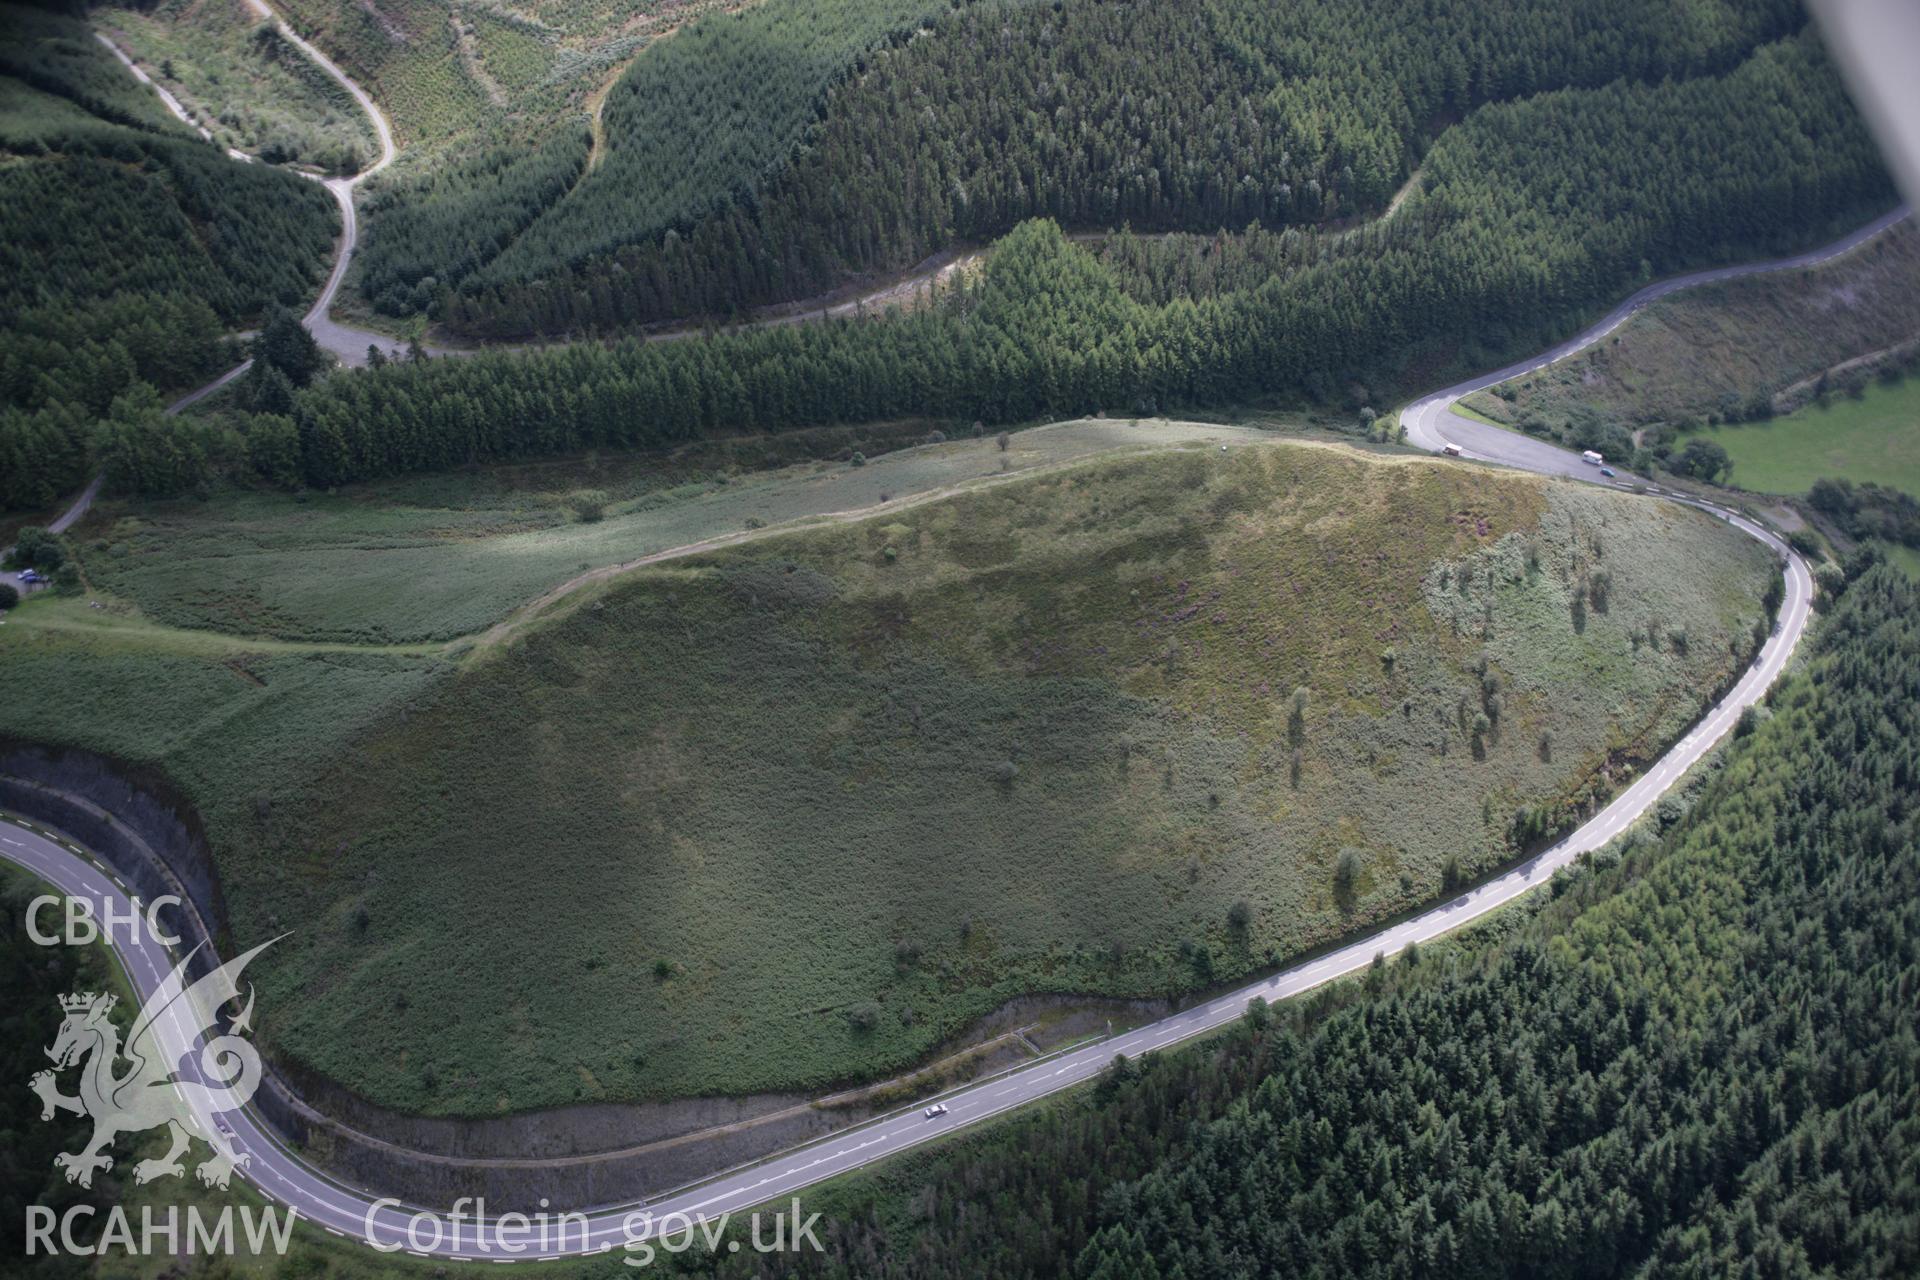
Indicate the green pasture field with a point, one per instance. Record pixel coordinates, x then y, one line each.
1874 437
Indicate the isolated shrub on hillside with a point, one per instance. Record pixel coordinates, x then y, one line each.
1297 715
589 508
1346 878
66 579
1003 440
1005 772
1774 595
1240 915
1703 460
864 1016
9 597
859 459
1452 874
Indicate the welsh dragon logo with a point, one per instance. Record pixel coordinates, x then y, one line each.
147 1094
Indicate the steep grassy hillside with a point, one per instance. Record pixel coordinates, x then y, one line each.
1696 1059
798 810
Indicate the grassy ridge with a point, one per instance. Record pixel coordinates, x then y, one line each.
435 558
796 811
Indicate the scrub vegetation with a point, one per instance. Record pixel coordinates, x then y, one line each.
797 811
1692 1057
241 79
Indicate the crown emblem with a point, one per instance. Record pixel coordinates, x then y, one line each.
81 1002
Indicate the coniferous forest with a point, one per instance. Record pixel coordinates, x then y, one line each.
1681 143
1699 1056
1535 212
129 248
723 187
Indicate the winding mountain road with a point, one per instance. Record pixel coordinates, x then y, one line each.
287 1178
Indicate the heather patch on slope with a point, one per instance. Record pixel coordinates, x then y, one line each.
797 811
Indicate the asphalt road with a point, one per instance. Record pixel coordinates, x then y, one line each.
286 1178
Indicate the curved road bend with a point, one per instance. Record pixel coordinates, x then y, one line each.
286 1178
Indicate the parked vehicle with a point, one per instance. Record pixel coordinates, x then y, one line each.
1592 458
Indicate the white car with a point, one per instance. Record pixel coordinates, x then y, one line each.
935 1111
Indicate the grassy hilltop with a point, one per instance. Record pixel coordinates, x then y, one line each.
797 810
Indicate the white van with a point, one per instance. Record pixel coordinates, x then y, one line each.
1591 458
